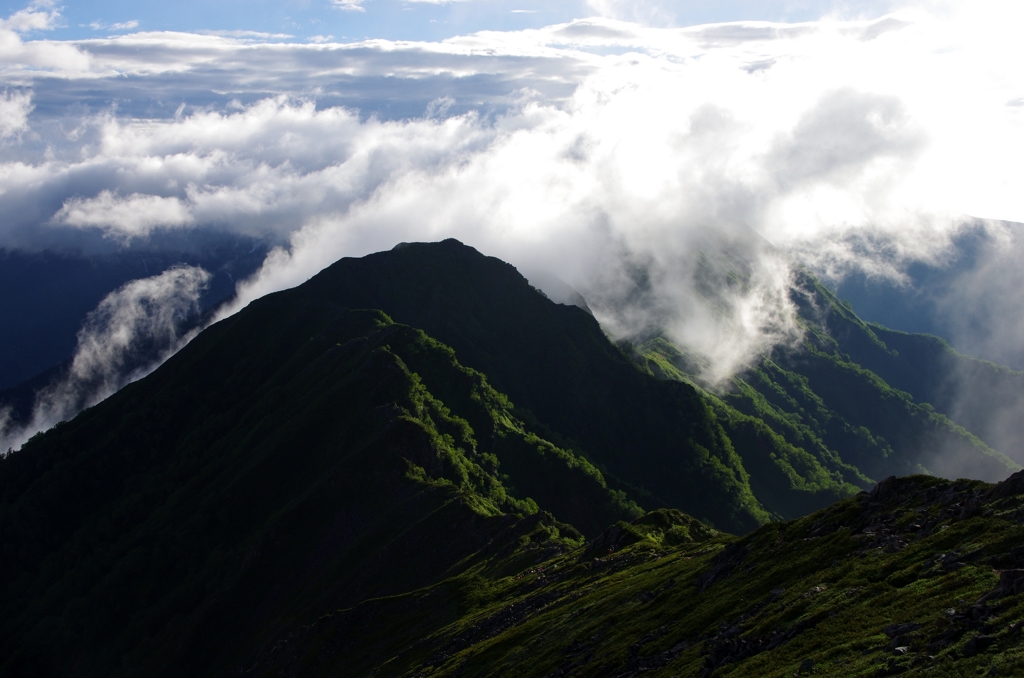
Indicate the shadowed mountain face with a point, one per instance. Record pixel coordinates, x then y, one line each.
288 459
984 398
422 440
654 439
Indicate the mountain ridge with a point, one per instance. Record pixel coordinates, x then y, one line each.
340 446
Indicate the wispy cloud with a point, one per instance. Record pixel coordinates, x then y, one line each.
132 330
122 26
255 35
349 5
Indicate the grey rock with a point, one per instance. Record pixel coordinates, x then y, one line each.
977 644
893 630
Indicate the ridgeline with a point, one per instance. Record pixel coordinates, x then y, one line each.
416 464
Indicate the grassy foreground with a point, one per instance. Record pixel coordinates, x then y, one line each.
921 576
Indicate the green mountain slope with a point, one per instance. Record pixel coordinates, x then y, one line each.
898 581
825 413
979 395
287 460
312 487
656 440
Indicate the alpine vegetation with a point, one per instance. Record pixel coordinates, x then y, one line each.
591 338
417 462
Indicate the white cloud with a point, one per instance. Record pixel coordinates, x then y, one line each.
35 57
439 107
14 109
122 26
349 5
27 20
256 35
607 151
132 216
639 11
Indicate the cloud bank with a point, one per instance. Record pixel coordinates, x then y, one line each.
636 163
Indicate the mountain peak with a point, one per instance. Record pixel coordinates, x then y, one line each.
450 242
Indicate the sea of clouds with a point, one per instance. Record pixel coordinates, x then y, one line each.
620 156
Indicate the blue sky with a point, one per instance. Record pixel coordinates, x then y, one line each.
403 20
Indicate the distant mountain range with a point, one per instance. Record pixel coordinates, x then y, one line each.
969 297
416 463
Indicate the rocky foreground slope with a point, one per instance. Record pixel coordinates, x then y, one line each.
921 576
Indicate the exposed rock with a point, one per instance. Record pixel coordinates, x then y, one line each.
976 645
1013 485
723 564
894 630
1011 581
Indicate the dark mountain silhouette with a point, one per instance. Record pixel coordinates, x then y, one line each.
415 463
